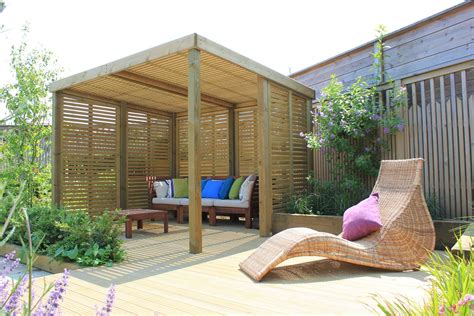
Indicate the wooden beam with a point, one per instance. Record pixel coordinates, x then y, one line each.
264 156
124 156
57 172
166 49
168 87
261 70
194 154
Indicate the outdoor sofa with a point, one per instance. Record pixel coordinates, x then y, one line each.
246 207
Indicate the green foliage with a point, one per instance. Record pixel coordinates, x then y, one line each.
90 241
29 106
451 289
328 197
349 122
72 235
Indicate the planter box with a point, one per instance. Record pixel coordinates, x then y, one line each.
446 230
42 262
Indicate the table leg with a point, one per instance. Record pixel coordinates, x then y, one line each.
140 224
128 229
165 222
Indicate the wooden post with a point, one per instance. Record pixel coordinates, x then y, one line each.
232 147
264 156
57 172
173 161
290 127
194 155
400 135
124 156
310 128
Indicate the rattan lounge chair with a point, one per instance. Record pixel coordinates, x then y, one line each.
403 243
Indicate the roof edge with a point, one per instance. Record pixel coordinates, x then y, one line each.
171 47
247 63
387 36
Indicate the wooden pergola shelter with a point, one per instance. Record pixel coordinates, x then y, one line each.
187 108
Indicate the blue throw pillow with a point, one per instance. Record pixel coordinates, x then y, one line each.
225 188
211 190
203 183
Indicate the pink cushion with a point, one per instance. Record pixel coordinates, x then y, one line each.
362 219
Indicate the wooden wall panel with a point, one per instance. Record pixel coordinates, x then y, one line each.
148 152
246 145
90 155
280 147
439 41
299 150
214 142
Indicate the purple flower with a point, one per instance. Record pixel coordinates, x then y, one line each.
441 310
367 149
12 305
332 136
55 296
400 127
467 299
331 123
386 130
375 117
9 264
109 301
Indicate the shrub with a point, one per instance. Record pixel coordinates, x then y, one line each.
451 290
72 235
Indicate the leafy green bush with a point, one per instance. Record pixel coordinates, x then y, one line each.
451 290
328 197
90 241
73 235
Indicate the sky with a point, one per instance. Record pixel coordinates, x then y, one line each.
284 35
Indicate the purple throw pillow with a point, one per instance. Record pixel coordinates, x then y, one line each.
362 219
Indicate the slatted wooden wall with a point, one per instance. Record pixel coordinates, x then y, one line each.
246 141
299 150
148 151
215 150
289 155
440 118
90 154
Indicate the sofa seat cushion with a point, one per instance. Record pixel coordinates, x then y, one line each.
231 203
204 202
169 201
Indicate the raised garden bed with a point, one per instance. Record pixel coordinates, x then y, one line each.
446 230
42 262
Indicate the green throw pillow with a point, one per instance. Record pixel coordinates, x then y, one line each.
180 188
235 188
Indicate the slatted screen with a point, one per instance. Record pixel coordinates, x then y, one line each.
280 147
90 154
148 152
299 123
247 142
214 144
440 129
289 154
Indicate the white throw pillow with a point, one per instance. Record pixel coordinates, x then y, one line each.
248 192
244 187
161 189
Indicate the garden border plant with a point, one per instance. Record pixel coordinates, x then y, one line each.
349 122
18 296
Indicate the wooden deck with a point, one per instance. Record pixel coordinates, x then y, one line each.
161 277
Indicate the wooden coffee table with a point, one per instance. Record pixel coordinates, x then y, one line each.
141 214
